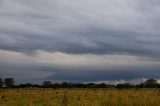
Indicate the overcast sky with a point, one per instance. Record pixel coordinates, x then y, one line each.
87 40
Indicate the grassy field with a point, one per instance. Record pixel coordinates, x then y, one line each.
79 97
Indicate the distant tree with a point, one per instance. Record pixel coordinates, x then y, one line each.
47 84
125 85
150 83
1 82
9 82
141 85
79 85
65 84
102 85
56 85
26 85
91 85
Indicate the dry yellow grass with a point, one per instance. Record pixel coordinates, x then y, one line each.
79 97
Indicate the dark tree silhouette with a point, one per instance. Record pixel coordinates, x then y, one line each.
125 85
56 85
47 84
65 84
9 82
1 82
150 83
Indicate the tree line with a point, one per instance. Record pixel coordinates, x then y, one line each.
9 83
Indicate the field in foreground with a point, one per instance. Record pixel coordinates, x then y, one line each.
79 97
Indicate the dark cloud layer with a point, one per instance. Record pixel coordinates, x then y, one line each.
110 27
129 74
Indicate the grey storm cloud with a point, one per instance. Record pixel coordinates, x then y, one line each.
88 26
80 39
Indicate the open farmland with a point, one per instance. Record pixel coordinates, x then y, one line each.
79 97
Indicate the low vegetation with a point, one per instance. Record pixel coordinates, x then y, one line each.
79 97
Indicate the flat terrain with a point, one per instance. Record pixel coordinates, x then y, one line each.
79 97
